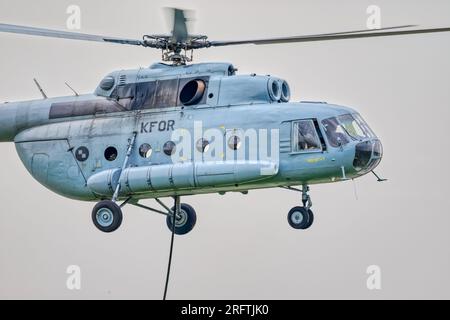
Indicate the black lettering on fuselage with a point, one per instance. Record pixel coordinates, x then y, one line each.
144 127
170 125
161 126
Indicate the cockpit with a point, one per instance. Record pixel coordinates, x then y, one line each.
348 128
343 129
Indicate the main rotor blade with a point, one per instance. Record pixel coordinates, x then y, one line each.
332 36
9 28
178 22
180 32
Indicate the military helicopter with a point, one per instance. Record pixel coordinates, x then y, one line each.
177 129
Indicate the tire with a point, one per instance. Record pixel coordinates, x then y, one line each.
300 218
185 223
311 219
107 216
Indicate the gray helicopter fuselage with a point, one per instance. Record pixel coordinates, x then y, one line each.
76 146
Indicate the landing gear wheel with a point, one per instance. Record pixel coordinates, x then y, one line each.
107 216
311 219
185 220
300 218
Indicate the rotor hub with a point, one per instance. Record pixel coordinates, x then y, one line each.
177 52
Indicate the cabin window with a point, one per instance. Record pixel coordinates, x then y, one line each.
234 143
145 151
111 154
170 148
305 137
82 154
202 145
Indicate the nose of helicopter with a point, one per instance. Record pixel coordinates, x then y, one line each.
368 155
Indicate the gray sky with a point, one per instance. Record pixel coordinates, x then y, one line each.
243 247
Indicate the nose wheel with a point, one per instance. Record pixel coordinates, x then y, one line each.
302 218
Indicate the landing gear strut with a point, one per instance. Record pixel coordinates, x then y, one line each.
107 215
302 218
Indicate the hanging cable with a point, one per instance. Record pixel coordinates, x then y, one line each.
174 213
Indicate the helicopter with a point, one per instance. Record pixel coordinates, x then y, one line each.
178 129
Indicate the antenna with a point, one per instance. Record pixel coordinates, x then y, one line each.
40 89
72 89
355 190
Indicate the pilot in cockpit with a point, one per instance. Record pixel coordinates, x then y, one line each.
307 137
334 132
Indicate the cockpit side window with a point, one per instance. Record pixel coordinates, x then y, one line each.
335 132
305 137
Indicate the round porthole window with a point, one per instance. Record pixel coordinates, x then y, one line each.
202 145
82 154
234 143
169 148
145 151
111 154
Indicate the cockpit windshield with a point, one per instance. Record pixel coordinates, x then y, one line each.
340 130
353 125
